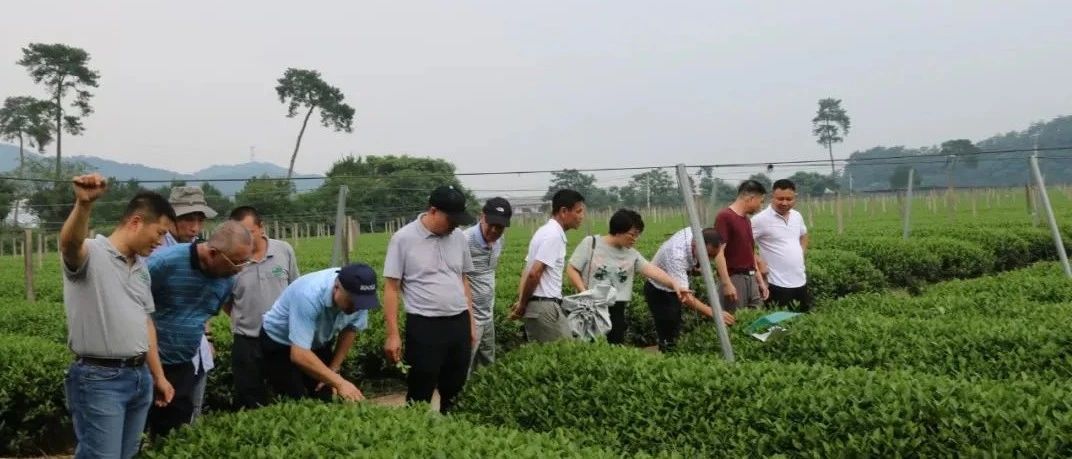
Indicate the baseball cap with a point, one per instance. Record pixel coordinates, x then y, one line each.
497 211
189 199
359 280
451 201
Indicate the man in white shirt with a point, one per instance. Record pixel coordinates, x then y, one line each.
782 238
540 292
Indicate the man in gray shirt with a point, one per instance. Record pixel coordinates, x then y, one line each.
485 247
106 292
256 288
427 262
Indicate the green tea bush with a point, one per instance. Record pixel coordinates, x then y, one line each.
959 259
905 263
835 273
1010 249
42 320
315 429
33 413
633 401
1033 341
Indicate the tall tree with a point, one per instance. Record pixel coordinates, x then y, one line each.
306 90
572 179
764 180
25 119
899 178
270 196
62 68
830 125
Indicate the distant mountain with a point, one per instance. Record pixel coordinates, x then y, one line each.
9 159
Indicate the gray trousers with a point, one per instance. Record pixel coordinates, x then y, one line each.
747 293
484 351
545 322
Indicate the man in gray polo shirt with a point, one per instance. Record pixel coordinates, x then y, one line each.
427 262
485 247
106 292
256 288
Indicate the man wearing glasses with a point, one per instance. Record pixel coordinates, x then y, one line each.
190 283
191 211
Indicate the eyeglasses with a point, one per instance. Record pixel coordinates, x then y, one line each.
233 264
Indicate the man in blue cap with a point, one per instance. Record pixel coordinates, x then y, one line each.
310 329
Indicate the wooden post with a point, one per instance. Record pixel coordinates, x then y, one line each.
350 236
27 256
40 250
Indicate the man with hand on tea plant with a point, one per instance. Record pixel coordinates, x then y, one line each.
107 296
427 262
191 282
256 288
191 211
678 257
485 247
737 263
540 291
310 329
782 238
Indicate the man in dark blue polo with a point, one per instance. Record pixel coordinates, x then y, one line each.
190 284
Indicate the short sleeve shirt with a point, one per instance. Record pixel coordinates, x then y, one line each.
548 246
430 268
259 285
305 314
608 265
778 239
186 298
736 232
482 278
108 303
675 256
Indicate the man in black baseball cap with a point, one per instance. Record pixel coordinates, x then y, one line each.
485 247
450 202
310 329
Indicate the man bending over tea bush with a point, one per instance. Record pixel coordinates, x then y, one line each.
310 329
107 296
677 256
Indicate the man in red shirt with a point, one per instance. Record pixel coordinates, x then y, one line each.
737 262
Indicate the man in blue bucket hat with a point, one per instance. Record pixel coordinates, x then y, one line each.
310 329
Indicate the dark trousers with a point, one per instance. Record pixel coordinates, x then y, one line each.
162 420
666 313
247 369
437 350
796 299
618 323
285 377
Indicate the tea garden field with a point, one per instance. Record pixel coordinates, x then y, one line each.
957 341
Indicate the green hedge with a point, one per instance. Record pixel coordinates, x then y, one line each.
42 320
1032 341
33 413
630 401
835 273
905 263
313 429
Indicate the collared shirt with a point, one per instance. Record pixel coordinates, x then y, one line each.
736 233
259 285
778 239
482 278
676 257
548 246
430 268
185 299
203 358
305 314
108 303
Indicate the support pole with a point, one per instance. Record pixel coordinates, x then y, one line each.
339 256
705 263
27 257
908 204
1057 241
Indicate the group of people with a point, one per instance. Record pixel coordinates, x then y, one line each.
139 301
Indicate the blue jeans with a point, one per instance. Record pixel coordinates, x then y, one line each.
108 407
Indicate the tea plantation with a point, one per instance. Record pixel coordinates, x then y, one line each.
956 342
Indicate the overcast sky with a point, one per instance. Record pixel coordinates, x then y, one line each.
503 85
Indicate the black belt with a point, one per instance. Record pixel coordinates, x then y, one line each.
745 272
136 361
544 298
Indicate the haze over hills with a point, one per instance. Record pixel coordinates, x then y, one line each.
9 159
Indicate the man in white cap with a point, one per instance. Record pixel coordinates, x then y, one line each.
191 211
